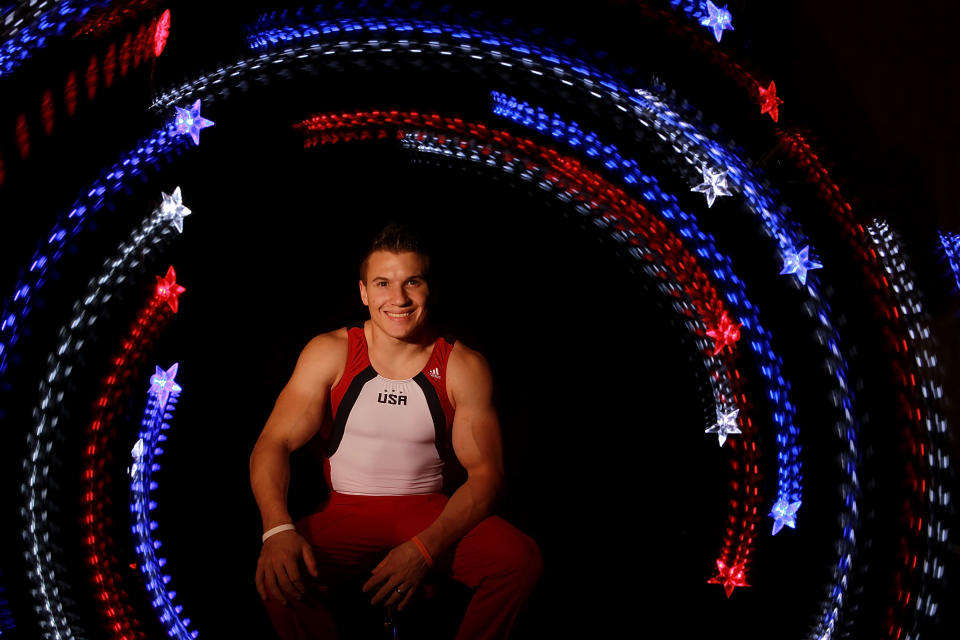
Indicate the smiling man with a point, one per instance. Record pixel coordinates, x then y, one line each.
400 410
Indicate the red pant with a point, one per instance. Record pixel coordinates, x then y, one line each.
351 534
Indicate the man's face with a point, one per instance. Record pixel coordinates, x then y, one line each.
396 292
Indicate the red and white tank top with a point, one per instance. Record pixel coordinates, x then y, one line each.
389 437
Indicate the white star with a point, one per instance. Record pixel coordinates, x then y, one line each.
726 425
137 454
714 184
173 209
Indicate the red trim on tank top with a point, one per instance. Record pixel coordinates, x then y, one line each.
358 359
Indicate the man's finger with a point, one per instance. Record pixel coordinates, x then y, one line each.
289 591
261 589
270 578
372 582
309 560
293 573
406 598
384 593
395 596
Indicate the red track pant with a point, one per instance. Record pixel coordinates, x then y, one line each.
351 534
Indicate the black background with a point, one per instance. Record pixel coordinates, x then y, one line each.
601 396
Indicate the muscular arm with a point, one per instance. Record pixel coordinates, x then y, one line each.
477 445
296 417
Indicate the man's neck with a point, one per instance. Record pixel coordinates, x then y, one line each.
394 350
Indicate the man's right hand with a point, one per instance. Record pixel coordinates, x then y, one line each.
278 569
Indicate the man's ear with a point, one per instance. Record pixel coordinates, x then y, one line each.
363 293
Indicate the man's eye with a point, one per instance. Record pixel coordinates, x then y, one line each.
413 282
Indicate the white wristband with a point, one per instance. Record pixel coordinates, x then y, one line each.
278 529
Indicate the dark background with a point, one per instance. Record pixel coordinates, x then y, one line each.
601 396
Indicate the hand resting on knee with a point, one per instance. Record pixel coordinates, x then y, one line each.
278 569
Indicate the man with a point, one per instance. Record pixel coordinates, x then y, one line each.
396 406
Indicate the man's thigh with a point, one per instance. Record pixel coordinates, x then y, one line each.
353 533
493 548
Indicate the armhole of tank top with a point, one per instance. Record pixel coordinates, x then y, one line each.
346 361
451 341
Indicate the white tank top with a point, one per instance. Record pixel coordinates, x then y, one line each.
388 435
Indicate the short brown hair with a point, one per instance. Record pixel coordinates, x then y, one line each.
396 238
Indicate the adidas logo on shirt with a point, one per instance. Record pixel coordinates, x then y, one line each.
435 373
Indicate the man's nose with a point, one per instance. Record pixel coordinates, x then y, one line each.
399 295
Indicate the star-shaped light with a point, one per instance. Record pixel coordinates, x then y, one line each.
784 513
718 19
137 453
725 334
162 383
726 425
168 289
799 262
190 121
730 577
173 209
769 102
714 184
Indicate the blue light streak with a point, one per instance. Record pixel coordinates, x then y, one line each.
950 243
719 266
161 403
29 38
133 164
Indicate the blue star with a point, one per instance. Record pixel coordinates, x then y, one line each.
190 121
799 263
784 513
714 184
162 384
173 209
717 19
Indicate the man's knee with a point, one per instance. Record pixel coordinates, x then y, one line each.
531 567
520 556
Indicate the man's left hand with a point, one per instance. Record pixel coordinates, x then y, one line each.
403 569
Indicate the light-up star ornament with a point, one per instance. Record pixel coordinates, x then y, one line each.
717 19
162 384
173 209
784 513
730 577
714 184
168 289
726 425
190 121
725 334
769 102
799 262
137 453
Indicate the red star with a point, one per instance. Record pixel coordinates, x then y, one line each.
769 102
168 289
725 334
730 577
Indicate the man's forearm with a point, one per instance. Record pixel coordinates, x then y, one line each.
468 505
269 478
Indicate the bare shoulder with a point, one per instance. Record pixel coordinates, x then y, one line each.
324 357
468 375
